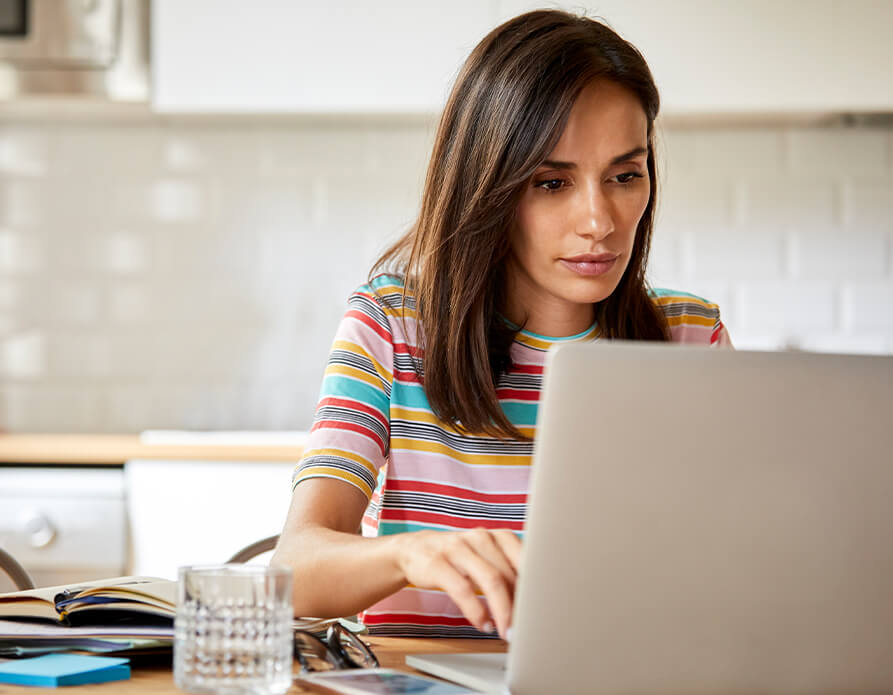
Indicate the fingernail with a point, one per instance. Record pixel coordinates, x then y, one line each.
488 627
508 634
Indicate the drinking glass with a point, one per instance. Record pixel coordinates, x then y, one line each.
233 630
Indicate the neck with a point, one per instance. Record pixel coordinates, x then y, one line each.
546 314
552 325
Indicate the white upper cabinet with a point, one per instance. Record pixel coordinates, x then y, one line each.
752 57
709 57
296 56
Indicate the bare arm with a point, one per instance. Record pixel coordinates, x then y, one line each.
337 572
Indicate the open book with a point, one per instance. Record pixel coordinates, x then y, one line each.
141 606
142 600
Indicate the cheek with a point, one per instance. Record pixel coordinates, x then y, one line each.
525 233
632 214
536 225
640 204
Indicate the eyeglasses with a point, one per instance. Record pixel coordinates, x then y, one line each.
341 649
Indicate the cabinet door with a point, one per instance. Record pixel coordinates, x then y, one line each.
755 56
344 56
863 51
201 512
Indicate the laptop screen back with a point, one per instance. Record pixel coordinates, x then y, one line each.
707 520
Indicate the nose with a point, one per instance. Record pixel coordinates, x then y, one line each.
596 215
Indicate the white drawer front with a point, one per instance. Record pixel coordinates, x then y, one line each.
64 519
72 533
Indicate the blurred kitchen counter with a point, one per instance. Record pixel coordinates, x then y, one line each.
115 449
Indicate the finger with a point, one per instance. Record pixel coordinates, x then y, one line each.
483 542
510 545
488 578
461 590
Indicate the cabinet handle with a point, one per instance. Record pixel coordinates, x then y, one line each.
39 530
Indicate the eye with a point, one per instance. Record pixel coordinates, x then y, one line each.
628 177
551 184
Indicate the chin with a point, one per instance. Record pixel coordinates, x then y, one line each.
592 291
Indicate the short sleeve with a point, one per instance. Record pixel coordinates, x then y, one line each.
350 433
691 319
720 336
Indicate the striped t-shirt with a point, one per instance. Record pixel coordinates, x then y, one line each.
375 429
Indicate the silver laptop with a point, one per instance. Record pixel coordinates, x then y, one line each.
703 521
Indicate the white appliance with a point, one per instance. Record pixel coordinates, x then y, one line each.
93 48
63 523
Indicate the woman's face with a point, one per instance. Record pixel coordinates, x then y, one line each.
578 215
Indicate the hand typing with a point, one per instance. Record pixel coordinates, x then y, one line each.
461 563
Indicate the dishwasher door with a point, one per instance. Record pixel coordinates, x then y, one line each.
63 523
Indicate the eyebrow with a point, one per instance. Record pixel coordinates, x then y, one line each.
619 158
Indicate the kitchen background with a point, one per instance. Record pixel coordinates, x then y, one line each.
178 241
165 270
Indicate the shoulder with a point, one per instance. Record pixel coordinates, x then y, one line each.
683 305
692 319
388 294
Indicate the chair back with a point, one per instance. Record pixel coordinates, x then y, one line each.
16 572
250 551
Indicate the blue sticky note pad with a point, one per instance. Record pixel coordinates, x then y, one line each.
53 670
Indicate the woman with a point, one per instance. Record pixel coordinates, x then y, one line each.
534 228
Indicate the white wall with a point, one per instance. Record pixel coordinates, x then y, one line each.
176 273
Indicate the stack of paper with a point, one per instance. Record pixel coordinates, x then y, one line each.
19 638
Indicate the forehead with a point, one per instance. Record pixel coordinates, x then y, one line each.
605 120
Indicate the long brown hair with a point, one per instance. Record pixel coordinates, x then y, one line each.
505 114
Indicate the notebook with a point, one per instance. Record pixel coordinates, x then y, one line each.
703 521
146 600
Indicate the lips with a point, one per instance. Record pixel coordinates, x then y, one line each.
589 264
591 258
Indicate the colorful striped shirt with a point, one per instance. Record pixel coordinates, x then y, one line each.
375 429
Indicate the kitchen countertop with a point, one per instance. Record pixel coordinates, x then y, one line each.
115 449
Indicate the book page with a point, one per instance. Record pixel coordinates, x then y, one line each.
159 593
11 630
32 603
155 595
134 595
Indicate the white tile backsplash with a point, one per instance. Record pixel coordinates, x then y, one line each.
722 253
22 205
24 152
9 296
701 201
126 253
317 150
176 200
21 252
75 301
739 152
868 202
23 356
42 407
838 152
835 255
190 273
784 201
868 309
786 308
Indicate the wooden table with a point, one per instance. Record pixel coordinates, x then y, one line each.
159 680
115 449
